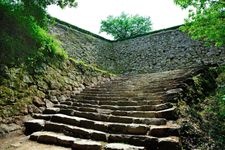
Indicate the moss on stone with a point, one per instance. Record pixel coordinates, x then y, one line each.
20 84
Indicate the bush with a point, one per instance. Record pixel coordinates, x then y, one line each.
23 39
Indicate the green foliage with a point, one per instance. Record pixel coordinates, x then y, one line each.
221 93
36 8
23 39
125 26
202 111
89 68
213 112
206 20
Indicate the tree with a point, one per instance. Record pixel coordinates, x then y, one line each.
36 8
23 25
206 20
125 26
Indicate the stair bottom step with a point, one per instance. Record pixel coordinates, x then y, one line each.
77 143
59 139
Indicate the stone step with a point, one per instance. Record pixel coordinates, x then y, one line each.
158 86
126 89
66 141
77 143
85 109
125 95
129 94
121 146
105 117
166 113
117 107
169 114
169 143
173 142
77 132
87 97
123 90
112 91
119 102
81 132
34 126
60 139
111 127
164 130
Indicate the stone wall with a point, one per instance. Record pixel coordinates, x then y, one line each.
165 50
84 46
157 51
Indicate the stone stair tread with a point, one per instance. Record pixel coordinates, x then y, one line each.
72 127
63 140
79 119
109 127
78 143
112 118
34 125
118 107
132 129
119 102
116 98
121 146
150 114
124 92
77 132
107 110
61 127
51 110
127 94
170 138
172 142
88 109
165 130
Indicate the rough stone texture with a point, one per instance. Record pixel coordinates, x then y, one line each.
85 47
120 146
159 51
86 145
34 125
4 129
166 50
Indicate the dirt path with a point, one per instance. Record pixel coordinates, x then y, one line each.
18 141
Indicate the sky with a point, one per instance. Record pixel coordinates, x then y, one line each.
89 13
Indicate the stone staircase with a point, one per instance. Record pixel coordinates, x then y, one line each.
133 112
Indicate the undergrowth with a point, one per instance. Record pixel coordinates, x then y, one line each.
203 117
217 111
23 40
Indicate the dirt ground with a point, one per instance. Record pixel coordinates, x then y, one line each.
18 141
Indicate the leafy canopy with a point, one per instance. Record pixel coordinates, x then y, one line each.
206 20
36 8
23 35
125 26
